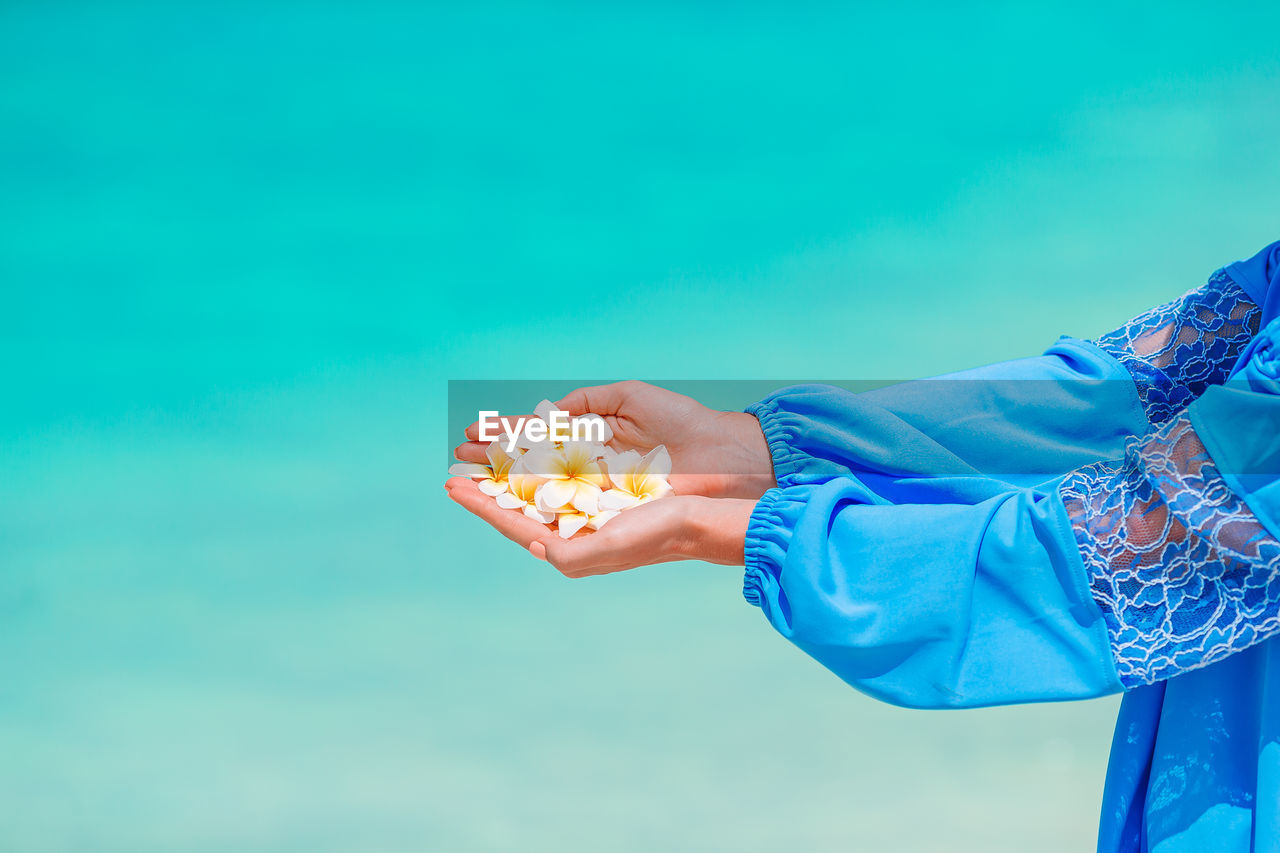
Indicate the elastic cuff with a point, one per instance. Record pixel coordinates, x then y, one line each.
768 535
780 430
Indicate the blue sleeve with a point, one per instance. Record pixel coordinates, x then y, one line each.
1027 420
1020 422
1118 574
1179 539
943 605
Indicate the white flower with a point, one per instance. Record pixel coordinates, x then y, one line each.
636 479
543 410
574 477
569 523
561 481
492 477
519 446
522 493
599 519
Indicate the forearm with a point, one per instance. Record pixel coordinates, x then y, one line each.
744 467
716 530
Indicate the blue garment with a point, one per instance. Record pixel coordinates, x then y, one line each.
1102 517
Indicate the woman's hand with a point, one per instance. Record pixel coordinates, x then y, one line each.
681 527
713 454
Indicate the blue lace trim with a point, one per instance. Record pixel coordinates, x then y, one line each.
1177 350
1183 571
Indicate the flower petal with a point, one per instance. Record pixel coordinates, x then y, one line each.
586 498
656 487
616 499
538 515
499 460
578 455
474 470
524 486
524 442
506 500
570 523
657 461
543 410
593 473
493 488
600 519
622 463
545 462
554 494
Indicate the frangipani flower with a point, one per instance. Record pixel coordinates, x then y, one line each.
573 474
492 477
560 480
543 410
553 427
570 523
600 518
519 446
522 493
636 479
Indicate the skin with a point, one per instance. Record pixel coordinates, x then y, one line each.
720 468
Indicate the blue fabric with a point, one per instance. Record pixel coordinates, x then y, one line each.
921 605
1020 422
1198 757
918 546
1184 571
1176 351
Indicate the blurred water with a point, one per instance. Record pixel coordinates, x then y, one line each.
243 247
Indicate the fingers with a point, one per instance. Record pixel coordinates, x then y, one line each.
514 525
593 399
472 451
599 399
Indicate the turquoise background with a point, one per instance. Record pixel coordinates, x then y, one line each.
244 246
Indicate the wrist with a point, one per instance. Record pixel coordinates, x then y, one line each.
747 464
715 529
